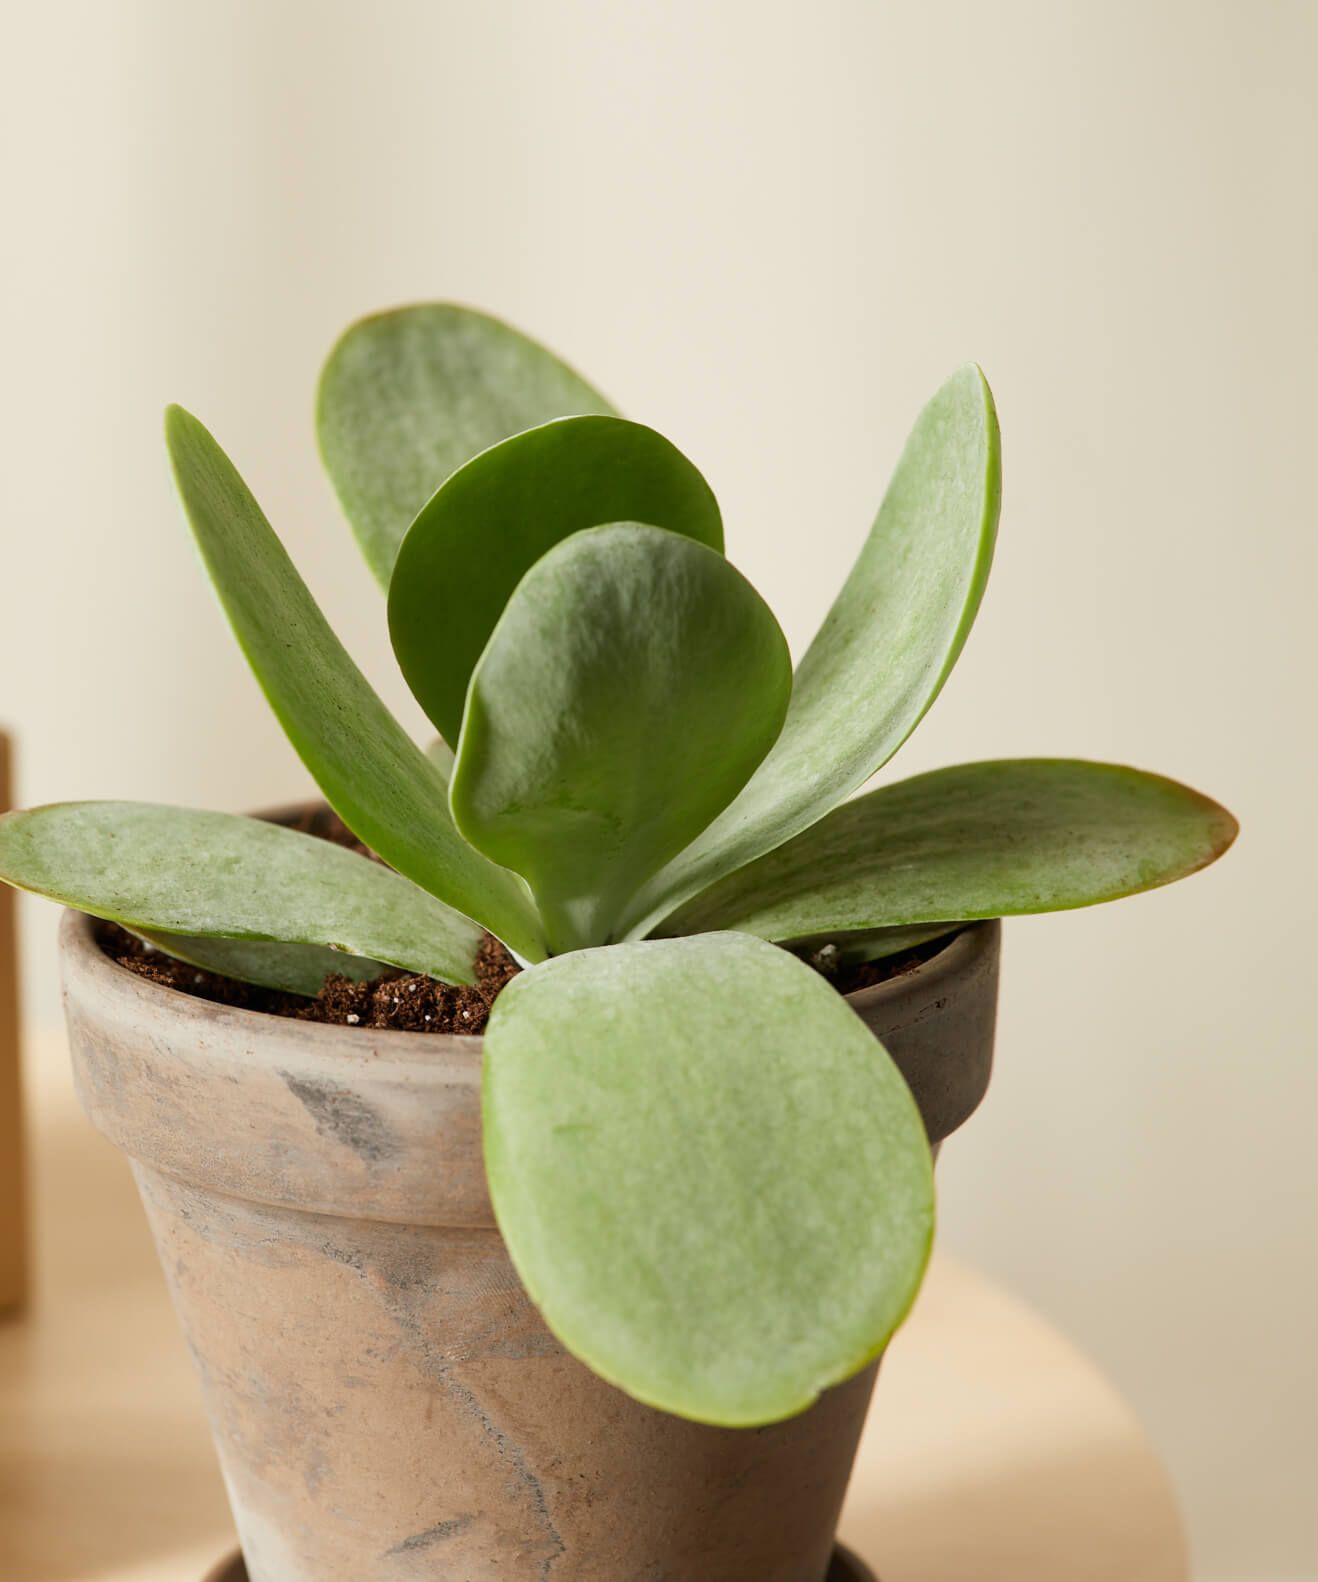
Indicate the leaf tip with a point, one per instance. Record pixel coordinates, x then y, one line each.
1226 827
182 429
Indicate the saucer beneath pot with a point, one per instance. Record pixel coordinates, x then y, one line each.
845 1568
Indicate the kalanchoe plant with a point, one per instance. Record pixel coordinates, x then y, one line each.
711 1178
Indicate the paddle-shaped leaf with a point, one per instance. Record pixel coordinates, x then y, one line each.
373 775
712 1179
168 870
494 518
406 397
885 648
979 840
632 684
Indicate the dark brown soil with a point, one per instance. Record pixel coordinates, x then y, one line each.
404 1001
865 976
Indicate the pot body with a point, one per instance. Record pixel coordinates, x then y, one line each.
386 1401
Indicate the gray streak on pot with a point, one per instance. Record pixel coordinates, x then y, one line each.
340 1114
386 1401
522 1473
440 1533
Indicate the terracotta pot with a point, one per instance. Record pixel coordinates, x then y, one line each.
386 1402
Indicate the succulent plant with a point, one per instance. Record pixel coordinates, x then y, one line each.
711 1177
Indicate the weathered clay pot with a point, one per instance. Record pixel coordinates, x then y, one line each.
386 1402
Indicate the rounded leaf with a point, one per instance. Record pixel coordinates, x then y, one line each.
630 688
711 1177
494 518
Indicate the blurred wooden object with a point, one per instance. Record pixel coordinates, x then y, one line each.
13 1219
995 1453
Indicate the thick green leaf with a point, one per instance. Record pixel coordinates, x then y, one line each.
407 397
299 969
978 840
632 684
495 517
884 651
372 774
167 870
712 1179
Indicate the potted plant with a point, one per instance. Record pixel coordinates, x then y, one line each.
598 1295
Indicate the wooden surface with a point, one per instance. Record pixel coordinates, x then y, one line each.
995 1453
13 1237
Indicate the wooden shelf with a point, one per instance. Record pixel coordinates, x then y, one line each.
995 1453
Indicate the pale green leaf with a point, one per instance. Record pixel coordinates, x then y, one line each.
372 774
712 1179
979 840
408 396
632 684
494 518
166 870
884 651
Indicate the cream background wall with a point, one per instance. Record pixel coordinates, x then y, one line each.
770 230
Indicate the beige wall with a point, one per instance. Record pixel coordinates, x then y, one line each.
770 229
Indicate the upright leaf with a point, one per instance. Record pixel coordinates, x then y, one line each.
494 518
884 651
173 871
712 1179
374 776
979 840
407 397
632 684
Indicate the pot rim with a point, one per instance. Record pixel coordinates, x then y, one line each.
381 1123
78 942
